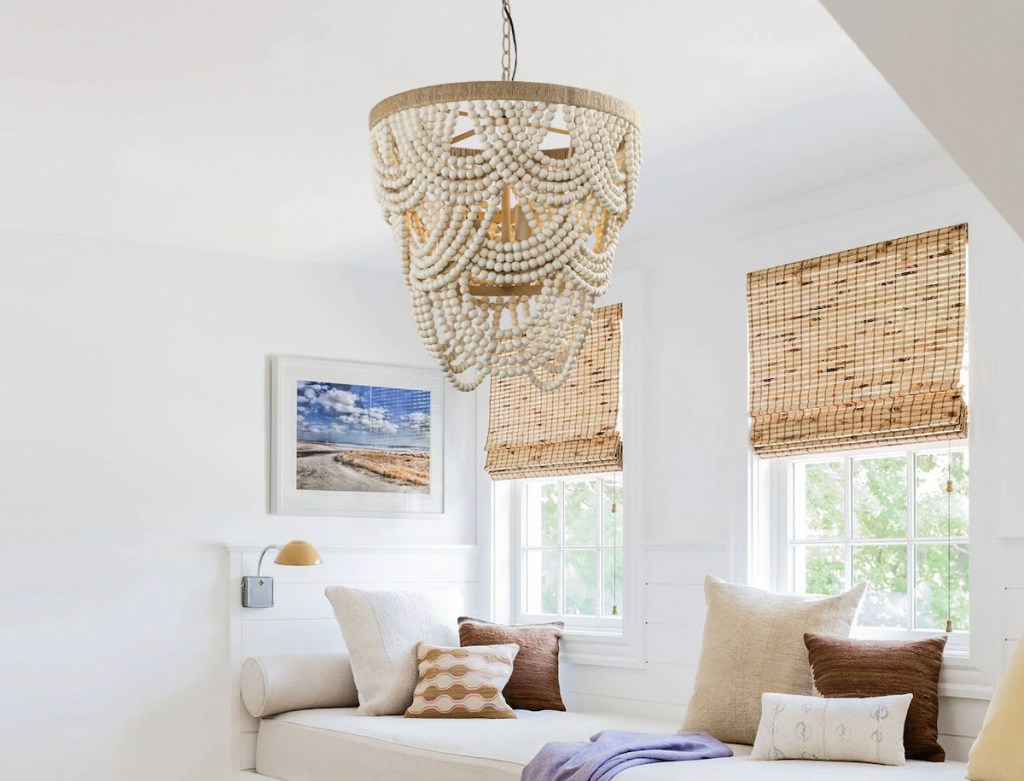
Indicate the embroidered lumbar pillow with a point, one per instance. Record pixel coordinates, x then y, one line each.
534 681
462 683
839 730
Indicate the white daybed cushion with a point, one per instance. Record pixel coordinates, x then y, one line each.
340 745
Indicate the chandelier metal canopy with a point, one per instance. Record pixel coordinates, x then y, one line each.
505 199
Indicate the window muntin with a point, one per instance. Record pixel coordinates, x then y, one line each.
571 550
881 517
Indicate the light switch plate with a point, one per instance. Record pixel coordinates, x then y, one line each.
257 591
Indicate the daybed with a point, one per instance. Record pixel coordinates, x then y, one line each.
336 744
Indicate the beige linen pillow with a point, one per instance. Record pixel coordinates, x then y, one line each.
381 630
856 729
996 754
754 643
462 683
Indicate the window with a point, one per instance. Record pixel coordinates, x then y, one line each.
563 547
571 550
885 518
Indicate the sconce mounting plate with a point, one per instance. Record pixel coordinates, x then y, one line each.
257 591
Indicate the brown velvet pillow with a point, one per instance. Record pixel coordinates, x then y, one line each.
875 668
534 681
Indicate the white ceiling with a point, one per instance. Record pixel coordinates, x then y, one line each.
962 73
240 125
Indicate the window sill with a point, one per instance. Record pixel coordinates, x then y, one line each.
962 679
600 648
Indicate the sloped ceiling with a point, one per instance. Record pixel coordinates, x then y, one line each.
959 66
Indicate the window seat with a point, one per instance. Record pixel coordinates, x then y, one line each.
336 744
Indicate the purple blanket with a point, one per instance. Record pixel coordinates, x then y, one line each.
610 752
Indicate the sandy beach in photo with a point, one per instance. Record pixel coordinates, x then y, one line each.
323 466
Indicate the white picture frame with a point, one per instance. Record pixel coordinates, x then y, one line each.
340 422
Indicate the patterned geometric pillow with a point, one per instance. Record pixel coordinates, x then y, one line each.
462 683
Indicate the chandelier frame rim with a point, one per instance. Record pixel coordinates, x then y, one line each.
461 91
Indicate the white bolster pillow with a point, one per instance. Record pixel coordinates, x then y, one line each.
275 684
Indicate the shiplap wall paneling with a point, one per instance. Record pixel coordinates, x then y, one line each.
1012 574
673 611
302 621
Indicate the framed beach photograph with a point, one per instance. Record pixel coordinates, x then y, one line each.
356 439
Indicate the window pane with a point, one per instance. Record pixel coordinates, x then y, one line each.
542 513
819 501
581 512
931 472
884 569
880 497
612 582
818 569
611 523
542 581
581 583
937 566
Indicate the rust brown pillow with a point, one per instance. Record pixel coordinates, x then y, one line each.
534 681
875 668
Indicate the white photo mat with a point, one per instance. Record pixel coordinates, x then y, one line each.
288 499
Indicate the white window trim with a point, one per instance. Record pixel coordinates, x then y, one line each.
766 561
589 645
603 625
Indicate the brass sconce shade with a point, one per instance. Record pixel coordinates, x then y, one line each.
298 553
258 589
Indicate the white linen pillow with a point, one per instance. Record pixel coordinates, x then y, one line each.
381 630
754 643
832 729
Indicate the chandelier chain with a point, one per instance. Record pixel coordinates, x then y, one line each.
509 45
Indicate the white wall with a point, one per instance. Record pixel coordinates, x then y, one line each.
133 417
134 423
694 379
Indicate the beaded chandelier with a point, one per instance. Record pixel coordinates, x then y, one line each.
505 199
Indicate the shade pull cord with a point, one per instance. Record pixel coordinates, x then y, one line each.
949 540
615 544
509 44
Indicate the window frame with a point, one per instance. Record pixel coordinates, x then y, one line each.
780 519
600 624
496 501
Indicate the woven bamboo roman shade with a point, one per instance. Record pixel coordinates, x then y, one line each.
570 430
860 348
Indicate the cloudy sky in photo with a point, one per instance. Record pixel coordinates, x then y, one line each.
365 415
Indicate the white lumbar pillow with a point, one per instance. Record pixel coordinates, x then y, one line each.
835 729
381 630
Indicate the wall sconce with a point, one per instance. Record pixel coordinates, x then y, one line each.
258 589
